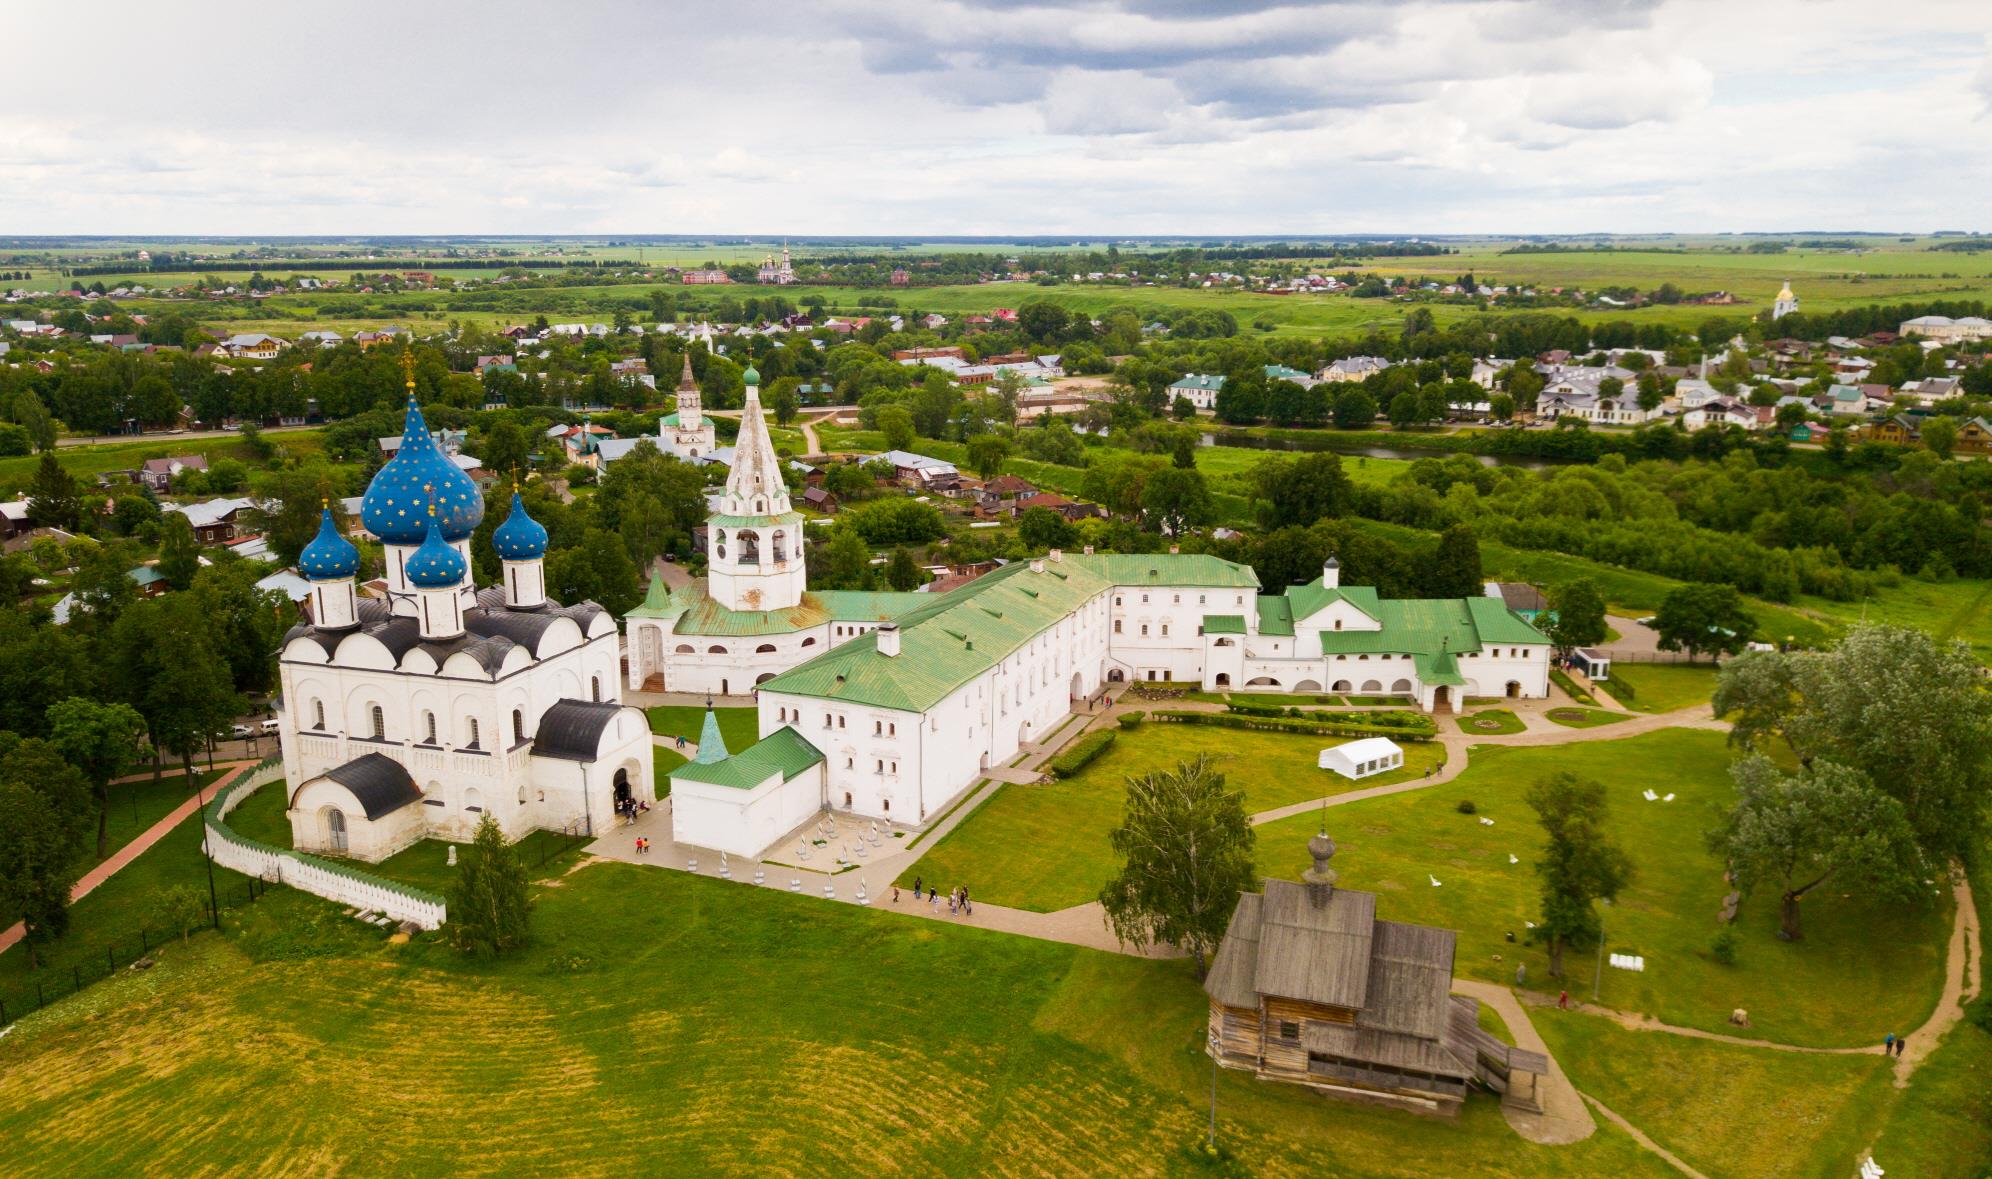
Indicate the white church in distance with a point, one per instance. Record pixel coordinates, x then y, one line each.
416 716
891 705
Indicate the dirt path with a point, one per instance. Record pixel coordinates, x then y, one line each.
1563 1119
1673 1160
135 847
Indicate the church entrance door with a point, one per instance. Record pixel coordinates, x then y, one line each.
335 830
622 788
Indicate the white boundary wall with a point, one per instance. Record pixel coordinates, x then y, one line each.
320 878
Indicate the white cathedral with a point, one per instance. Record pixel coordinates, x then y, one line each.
891 705
416 715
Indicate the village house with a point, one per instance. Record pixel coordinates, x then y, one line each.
252 346
214 521
1199 389
158 474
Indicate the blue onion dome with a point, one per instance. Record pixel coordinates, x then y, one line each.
520 537
329 557
435 565
419 475
751 376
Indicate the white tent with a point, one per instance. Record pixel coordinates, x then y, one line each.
1361 758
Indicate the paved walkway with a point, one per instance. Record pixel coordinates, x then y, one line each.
132 850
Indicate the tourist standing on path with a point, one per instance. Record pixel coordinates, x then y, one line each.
895 894
1888 1044
1563 1000
916 888
1901 1042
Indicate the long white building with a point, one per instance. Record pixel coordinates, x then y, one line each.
891 705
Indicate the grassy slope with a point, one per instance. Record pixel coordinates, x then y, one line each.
1862 970
1726 1110
670 1024
1045 848
87 462
135 807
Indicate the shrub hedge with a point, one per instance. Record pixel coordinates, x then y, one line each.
1335 728
1082 753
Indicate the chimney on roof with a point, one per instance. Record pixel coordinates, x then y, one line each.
1088 550
1058 554
1331 574
888 639
1037 565
1320 878
1175 549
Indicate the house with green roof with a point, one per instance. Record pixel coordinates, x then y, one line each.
1331 638
742 803
1199 389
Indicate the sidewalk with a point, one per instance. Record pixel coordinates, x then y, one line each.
136 847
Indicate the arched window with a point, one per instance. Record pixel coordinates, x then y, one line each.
765 649
686 649
518 725
808 642
522 796
473 734
429 727
595 688
318 714
719 543
750 547
780 544
715 649
379 724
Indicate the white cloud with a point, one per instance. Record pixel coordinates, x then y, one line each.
974 116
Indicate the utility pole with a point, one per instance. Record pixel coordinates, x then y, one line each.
1598 975
1212 1041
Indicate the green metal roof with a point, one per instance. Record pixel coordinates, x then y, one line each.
1224 624
699 614
1280 372
1275 615
658 602
1172 569
1312 598
772 521
1430 627
868 605
944 645
783 751
1200 381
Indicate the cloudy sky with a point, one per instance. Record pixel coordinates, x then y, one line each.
976 117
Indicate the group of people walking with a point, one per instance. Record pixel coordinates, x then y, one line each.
958 900
628 809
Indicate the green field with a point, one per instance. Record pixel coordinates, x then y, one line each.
1662 687
1044 848
87 461
667 1024
1862 970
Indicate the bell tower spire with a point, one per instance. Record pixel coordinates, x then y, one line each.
754 542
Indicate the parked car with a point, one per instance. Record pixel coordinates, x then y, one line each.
243 731
271 725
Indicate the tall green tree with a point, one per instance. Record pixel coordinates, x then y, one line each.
102 739
1580 615
1455 565
1041 529
37 858
167 668
597 570
1175 500
1303 490
1580 865
902 573
1704 619
179 550
897 425
847 563
1185 847
987 453
490 910
1908 711
1794 832
54 500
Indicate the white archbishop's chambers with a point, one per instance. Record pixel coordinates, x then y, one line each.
890 705
418 715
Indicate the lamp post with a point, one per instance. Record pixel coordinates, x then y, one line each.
1211 1039
1598 975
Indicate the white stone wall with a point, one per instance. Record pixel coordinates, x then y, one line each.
744 822
1156 632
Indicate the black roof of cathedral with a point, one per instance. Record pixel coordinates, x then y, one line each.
378 782
572 729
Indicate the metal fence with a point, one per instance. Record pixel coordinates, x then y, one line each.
55 983
1642 656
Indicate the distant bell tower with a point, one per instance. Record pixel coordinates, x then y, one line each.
1786 304
689 407
754 542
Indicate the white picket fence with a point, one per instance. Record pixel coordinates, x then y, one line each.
333 881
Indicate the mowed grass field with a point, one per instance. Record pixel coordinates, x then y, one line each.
738 727
87 461
663 1024
1661 687
1862 970
1045 848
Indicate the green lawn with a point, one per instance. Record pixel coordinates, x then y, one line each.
1045 848
1662 687
1957 609
663 761
88 461
1862 970
739 727
1726 1110
1491 721
668 1024
1583 718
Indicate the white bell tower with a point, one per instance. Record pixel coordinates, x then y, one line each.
754 543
